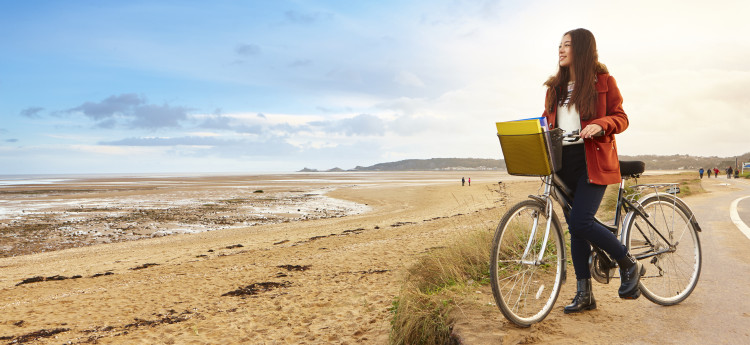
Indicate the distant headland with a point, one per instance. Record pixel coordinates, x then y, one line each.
653 162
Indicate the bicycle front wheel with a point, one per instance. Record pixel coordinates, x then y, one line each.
526 273
672 272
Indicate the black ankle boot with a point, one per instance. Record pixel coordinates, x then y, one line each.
630 273
584 299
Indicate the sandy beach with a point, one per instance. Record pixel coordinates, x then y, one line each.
313 259
304 278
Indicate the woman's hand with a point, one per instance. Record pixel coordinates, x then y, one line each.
591 130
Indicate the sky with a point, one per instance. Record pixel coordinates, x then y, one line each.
274 86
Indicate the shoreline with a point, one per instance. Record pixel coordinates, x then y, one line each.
31 180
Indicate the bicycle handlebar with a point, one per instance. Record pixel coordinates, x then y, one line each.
576 135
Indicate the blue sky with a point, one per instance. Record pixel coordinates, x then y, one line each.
262 86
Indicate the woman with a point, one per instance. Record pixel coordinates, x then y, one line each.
583 96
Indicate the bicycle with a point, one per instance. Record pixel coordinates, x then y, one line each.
528 262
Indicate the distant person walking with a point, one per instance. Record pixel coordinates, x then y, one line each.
463 182
709 172
729 172
716 172
736 172
700 171
469 181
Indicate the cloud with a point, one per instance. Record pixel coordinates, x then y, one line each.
283 126
11 140
247 50
229 124
248 129
158 116
108 124
109 107
272 136
406 125
363 124
32 112
213 146
156 141
131 111
114 151
216 122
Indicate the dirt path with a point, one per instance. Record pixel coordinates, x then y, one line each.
718 311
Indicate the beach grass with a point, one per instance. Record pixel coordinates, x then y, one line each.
422 312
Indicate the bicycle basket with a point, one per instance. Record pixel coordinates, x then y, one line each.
537 154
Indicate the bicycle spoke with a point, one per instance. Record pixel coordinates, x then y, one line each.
521 288
514 275
521 295
685 230
680 274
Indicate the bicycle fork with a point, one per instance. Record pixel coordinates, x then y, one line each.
548 211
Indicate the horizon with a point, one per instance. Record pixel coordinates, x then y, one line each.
144 87
298 170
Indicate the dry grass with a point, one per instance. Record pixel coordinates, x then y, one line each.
421 319
422 312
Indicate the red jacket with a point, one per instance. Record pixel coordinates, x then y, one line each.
601 152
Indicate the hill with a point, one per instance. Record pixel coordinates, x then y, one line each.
437 164
653 162
687 162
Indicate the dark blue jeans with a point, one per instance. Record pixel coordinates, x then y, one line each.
581 225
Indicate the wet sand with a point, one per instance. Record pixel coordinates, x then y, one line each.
74 213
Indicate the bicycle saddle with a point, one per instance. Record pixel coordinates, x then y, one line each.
630 168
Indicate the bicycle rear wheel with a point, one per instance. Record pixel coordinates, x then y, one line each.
526 288
671 273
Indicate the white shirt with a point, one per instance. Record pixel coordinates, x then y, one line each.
568 118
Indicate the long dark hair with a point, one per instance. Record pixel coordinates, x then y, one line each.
586 66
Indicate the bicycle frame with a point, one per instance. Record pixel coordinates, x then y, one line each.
555 190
